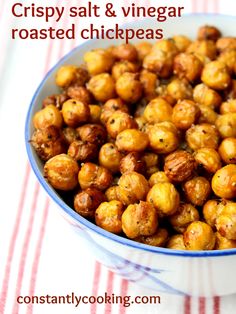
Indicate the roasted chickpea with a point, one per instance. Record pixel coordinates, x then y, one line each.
132 162
118 122
122 67
139 220
128 87
143 48
82 151
216 75
227 150
223 243
108 216
150 82
184 216
125 52
185 113
159 238
56 100
202 136
228 106
176 242
226 124
206 48
66 75
210 212
204 95
160 59
208 158
224 182
180 89
226 221
70 135
208 32
79 93
110 107
187 66
163 93
75 112
98 61
142 123
226 43
92 133
94 176
110 157
199 236
102 86
61 172
230 94
228 57
132 140
208 115
95 113
112 193
48 142
86 202
157 177
197 190
163 139
158 110
182 42
179 166
48 116
164 197
151 162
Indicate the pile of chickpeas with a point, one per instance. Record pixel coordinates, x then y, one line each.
141 140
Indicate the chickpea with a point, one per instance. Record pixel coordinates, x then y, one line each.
184 216
163 140
79 93
164 197
82 151
139 220
158 110
132 162
228 57
70 135
208 32
208 158
187 66
86 202
94 176
176 242
197 190
102 86
157 177
180 89
46 117
110 157
216 75
56 100
206 48
179 166
208 115
110 107
199 236
185 113
92 133
98 61
75 112
61 172
122 67
48 142
95 113
159 238
112 193
224 182
133 187
223 243
230 94
162 92
226 124
143 48
125 52
118 122
150 82
210 212
182 42
204 95
228 106
108 216
66 75
202 136
132 140
227 150
128 87
151 162
226 221
226 43
142 123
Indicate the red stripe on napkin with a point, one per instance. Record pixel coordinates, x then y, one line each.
96 279
123 292
110 279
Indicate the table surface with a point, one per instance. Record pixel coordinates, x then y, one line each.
40 254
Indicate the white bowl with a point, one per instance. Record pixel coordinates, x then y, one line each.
203 273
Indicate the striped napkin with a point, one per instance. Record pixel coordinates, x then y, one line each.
40 254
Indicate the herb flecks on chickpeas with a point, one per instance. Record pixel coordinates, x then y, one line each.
141 140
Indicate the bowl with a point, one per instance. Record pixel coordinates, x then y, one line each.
195 273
